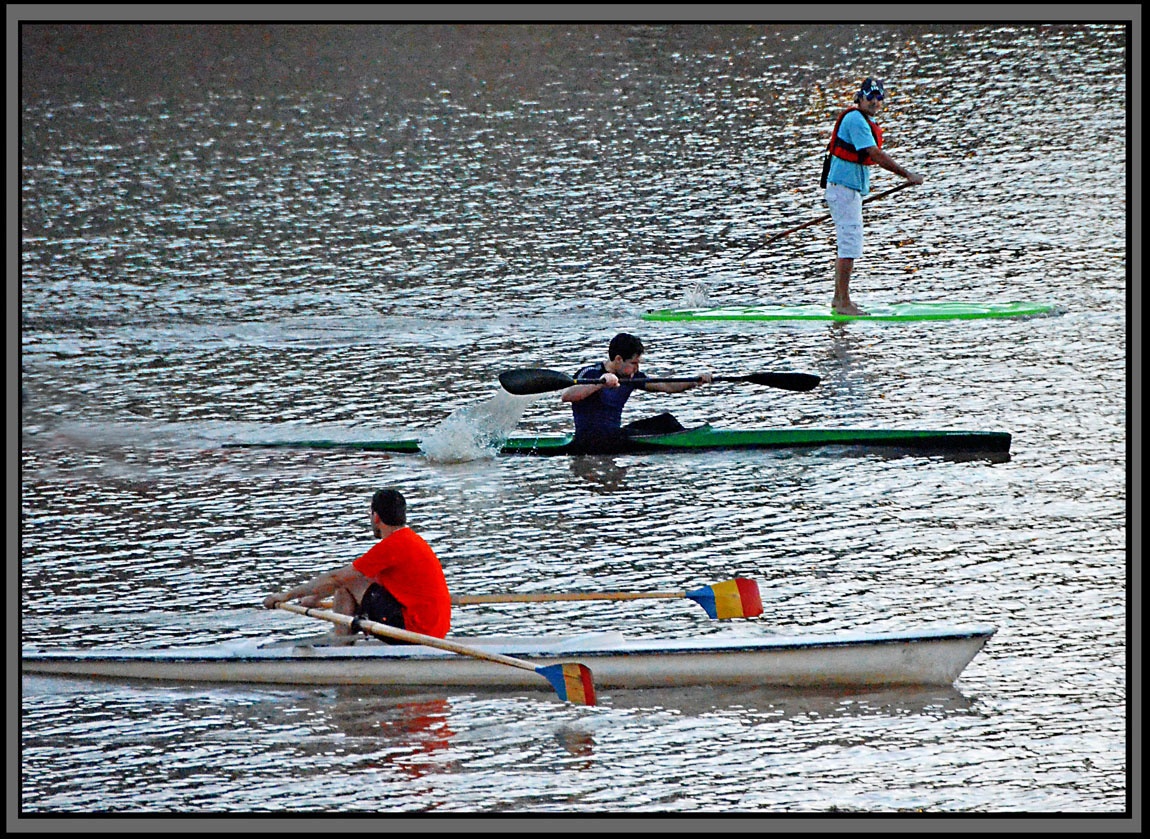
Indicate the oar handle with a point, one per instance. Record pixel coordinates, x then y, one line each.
737 598
476 599
386 631
472 599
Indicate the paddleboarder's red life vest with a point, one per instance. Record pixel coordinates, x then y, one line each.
842 149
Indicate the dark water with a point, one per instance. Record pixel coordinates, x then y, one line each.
234 233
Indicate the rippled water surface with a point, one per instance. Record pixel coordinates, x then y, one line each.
348 232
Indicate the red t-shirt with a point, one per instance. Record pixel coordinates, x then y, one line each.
404 564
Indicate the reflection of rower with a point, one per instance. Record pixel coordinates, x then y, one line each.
602 471
421 729
578 743
598 408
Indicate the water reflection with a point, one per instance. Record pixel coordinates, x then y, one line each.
784 703
604 472
415 731
577 743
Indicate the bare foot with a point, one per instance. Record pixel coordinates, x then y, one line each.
331 639
846 309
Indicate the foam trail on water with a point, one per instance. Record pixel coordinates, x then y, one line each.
475 431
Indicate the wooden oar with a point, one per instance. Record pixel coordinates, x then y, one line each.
572 681
527 380
777 236
737 598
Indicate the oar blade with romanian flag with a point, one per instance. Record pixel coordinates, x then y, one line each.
737 598
571 681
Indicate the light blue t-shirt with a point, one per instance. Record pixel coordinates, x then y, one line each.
855 130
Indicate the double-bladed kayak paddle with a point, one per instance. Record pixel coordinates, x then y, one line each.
527 381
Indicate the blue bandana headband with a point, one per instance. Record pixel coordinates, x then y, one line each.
872 89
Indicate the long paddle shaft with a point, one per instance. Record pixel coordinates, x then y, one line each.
737 598
526 380
777 236
571 681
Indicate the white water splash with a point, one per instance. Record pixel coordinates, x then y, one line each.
475 431
696 297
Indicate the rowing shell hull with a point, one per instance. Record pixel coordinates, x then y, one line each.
931 657
879 312
706 438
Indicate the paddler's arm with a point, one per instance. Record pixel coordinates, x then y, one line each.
319 587
577 393
887 162
679 387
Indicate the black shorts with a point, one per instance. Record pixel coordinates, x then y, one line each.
620 439
663 423
380 605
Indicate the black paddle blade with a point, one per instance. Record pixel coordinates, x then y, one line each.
527 381
800 382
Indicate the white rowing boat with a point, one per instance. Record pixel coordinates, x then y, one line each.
926 657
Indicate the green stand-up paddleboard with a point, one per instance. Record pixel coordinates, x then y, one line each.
875 311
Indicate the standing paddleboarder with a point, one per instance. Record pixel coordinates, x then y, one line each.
856 143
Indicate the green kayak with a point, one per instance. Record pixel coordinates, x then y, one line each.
706 438
876 311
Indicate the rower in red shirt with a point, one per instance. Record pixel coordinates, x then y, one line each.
399 581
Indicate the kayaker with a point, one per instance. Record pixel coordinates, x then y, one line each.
856 144
399 582
598 408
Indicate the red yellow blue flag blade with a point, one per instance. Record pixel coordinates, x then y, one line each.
738 598
572 682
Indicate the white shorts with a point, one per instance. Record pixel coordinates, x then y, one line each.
846 210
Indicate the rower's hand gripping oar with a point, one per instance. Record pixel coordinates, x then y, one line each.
527 381
571 681
737 598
